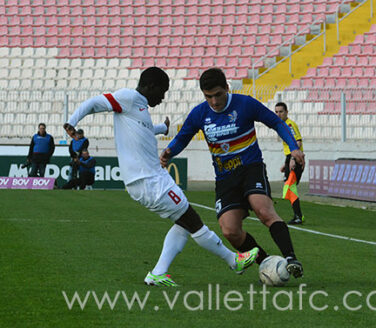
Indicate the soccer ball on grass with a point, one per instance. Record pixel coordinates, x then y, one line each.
273 272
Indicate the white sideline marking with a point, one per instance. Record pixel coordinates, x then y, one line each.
303 229
212 209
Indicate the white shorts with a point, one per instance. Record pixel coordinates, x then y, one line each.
160 194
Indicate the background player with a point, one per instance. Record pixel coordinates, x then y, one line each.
291 164
145 180
227 121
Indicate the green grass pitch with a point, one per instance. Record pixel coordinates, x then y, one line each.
56 243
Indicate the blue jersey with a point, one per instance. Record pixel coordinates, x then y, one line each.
87 165
41 143
77 144
230 134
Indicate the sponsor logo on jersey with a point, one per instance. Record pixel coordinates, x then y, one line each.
259 185
142 109
228 165
212 131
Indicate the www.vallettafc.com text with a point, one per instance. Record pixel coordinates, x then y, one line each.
213 298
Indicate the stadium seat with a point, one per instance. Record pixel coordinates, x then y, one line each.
311 72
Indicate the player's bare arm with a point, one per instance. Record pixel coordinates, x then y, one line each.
165 157
299 157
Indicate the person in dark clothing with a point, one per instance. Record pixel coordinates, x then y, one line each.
75 149
86 168
42 147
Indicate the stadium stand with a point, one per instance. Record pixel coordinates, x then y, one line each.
351 71
49 49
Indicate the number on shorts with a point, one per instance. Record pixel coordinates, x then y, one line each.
176 199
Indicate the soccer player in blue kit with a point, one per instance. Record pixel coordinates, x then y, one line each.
227 121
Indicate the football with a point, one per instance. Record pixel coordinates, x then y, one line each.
273 272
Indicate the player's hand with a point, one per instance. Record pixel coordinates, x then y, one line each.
299 157
282 169
165 157
167 123
71 131
292 164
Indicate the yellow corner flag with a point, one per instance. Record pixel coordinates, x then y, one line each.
290 191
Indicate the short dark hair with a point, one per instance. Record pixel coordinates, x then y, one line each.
41 124
80 131
282 104
154 75
85 150
211 78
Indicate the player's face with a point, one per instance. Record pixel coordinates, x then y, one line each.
42 129
156 95
281 112
216 98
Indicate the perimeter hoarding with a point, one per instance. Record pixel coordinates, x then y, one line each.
343 178
107 172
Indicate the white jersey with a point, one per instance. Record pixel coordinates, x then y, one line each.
134 131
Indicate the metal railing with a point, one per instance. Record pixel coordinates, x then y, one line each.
338 19
289 43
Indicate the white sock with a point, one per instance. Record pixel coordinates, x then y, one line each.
210 241
174 242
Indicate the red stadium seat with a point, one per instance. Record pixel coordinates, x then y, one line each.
347 72
233 62
242 73
369 72
196 62
230 73
356 71
339 61
89 41
359 39
328 61
311 72
367 50
245 62
355 50
351 61
184 62
363 82
193 74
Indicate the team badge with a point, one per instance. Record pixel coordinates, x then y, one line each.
233 116
225 147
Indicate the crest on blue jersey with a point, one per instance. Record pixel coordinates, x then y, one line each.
233 116
225 147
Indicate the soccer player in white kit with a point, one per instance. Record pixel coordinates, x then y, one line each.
144 178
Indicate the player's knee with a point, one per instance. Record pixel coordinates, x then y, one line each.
231 234
265 215
190 220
